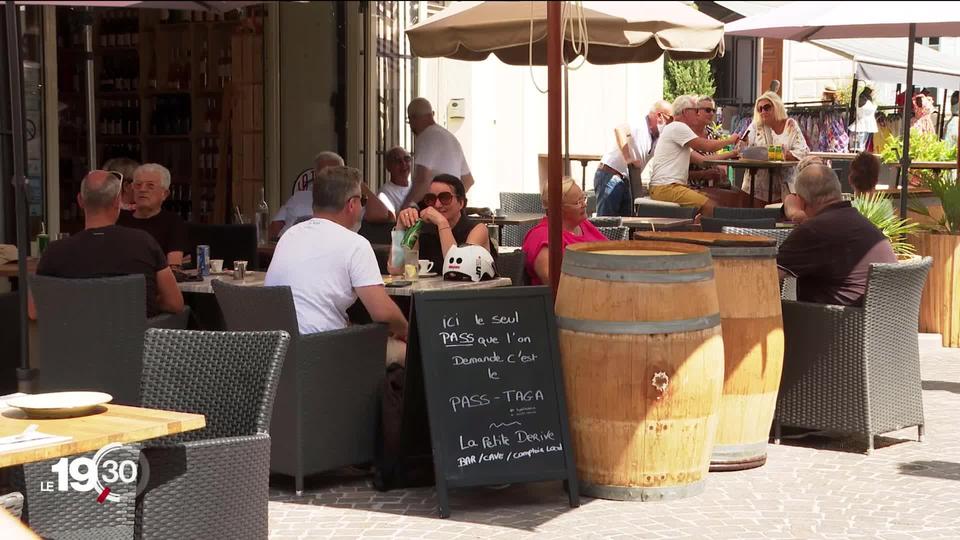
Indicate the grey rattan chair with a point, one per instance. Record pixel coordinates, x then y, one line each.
69 514
724 212
511 265
856 369
716 224
326 412
513 235
649 210
213 482
615 233
606 221
778 234
90 334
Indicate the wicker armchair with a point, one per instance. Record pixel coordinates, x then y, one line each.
780 235
511 265
853 369
213 482
725 212
326 414
90 333
717 224
606 221
513 235
615 233
662 210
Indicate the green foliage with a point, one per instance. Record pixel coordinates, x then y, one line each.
878 210
923 147
682 77
946 188
929 147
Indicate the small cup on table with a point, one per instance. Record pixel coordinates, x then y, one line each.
239 270
216 266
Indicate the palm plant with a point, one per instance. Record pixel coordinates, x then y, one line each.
946 188
878 210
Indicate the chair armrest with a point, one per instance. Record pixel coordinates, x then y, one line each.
200 489
172 321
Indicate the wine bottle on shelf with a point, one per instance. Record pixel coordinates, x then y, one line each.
186 71
203 66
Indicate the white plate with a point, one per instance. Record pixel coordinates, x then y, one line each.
428 274
59 404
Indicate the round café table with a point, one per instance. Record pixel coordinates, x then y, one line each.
754 165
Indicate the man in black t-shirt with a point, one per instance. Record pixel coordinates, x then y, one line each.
831 251
104 249
151 186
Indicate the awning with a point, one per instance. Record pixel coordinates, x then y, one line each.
884 60
877 59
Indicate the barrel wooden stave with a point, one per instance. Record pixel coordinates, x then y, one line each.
633 441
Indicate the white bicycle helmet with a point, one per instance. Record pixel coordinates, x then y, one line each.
468 263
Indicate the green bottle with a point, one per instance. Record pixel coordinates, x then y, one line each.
412 235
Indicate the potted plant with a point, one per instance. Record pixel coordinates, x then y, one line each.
940 307
939 237
879 211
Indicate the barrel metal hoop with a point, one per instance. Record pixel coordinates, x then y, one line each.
606 274
765 252
682 261
636 327
626 493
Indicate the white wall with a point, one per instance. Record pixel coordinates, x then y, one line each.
505 124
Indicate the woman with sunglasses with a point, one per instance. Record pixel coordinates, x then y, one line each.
771 126
445 224
576 229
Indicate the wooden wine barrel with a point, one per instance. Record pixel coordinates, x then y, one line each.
749 293
642 356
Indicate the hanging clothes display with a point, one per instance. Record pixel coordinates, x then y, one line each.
824 128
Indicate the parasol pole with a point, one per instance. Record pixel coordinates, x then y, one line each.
554 131
19 180
907 116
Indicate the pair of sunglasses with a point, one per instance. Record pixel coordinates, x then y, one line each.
431 198
710 110
765 108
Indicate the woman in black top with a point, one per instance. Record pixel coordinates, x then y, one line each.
444 225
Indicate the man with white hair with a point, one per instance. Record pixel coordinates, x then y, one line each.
671 158
151 186
436 152
104 249
830 253
612 179
299 207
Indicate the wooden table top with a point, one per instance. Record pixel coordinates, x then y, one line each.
439 284
9 270
752 163
252 279
117 423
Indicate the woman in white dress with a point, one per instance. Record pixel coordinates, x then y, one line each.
771 126
866 123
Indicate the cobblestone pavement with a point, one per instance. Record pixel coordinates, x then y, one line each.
812 487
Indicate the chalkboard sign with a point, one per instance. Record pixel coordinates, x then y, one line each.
494 389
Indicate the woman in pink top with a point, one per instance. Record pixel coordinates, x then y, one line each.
576 229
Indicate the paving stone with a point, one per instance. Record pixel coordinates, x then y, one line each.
811 488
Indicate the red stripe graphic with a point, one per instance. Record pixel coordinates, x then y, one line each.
103 495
